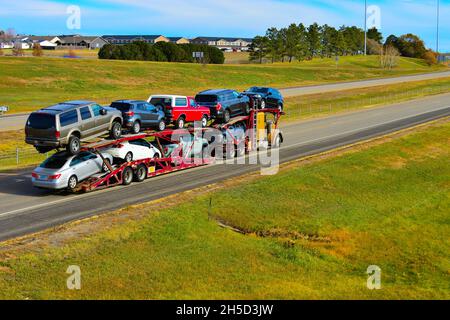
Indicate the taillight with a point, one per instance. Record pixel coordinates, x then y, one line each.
35 175
166 150
57 134
218 107
119 146
168 107
54 177
129 114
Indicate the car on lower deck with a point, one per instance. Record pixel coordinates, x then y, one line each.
64 171
224 103
139 115
264 97
133 150
180 110
64 125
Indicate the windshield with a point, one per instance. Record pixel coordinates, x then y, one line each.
206 98
258 90
41 121
124 107
54 162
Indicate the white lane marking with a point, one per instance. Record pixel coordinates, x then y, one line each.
200 168
358 130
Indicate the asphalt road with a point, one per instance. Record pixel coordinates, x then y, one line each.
24 209
15 122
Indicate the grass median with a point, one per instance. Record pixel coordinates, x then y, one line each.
32 83
309 232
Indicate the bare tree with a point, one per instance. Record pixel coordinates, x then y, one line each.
37 50
389 56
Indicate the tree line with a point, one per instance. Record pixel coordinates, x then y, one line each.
162 51
302 42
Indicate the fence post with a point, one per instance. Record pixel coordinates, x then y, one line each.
17 155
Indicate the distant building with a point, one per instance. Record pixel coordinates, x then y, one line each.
179 40
6 44
224 43
81 42
122 39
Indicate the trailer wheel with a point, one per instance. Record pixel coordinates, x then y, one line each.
127 176
72 184
141 173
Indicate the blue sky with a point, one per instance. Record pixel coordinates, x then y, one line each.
240 18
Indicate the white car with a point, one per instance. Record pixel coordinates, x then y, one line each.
134 150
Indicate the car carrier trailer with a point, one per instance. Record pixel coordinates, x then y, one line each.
263 133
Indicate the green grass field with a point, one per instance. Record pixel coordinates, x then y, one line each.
32 83
310 233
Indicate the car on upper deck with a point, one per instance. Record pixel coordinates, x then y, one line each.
180 110
66 124
264 97
224 103
139 114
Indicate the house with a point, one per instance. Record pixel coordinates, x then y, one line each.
125 39
6 44
81 42
48 45
225 43
38 39
179 40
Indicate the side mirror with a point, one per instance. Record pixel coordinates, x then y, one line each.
103 112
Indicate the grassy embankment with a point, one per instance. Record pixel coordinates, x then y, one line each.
311 233
30 83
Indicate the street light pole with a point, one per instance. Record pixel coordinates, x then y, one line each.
437 28
365 27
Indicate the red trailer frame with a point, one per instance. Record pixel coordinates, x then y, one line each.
182 160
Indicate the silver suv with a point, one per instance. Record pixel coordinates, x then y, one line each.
65 124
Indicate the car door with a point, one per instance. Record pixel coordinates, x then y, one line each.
101 121
181 107
153 114
87 121
83 166
238 103
139 149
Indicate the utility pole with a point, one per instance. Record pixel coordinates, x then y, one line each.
437 28
365 27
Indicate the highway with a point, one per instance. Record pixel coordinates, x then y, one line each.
15 122
24 210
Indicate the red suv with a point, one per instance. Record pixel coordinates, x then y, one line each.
180 110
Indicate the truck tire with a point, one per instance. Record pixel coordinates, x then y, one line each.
74 145
116 130
140 173
127 176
